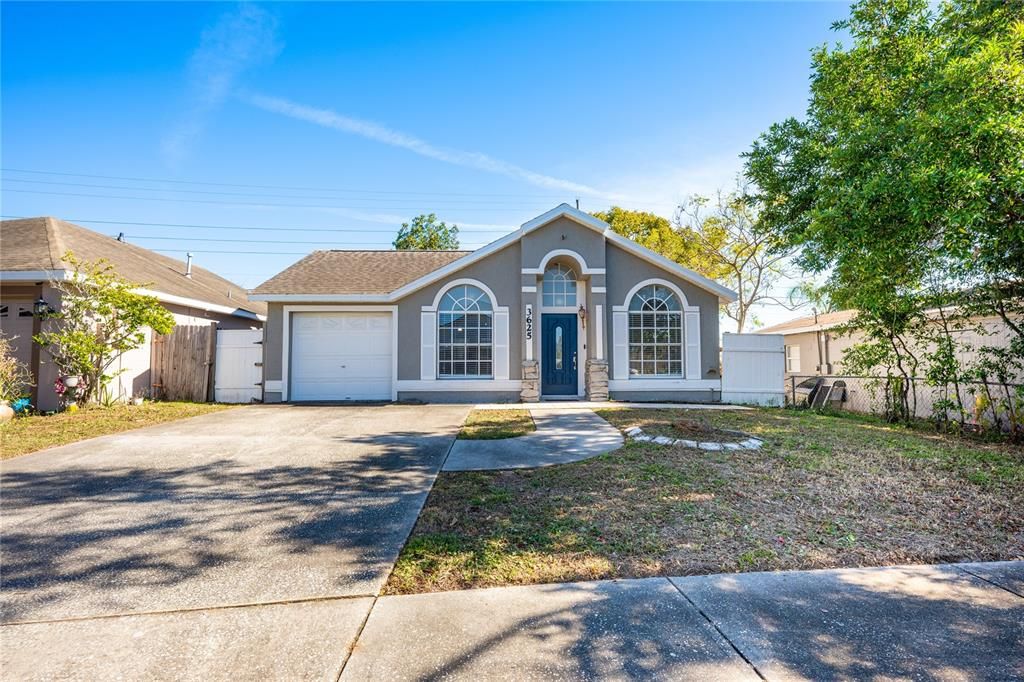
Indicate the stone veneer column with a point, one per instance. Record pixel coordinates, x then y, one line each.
530 392
597 380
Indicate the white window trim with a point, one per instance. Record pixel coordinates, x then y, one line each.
560 253
576 281
682 336
790 358
501 360
691 338
286 338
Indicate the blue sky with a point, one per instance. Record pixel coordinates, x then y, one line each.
304 118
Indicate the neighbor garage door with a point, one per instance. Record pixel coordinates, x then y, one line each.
341 356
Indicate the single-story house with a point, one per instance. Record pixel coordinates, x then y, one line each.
815 344
32 252
561 307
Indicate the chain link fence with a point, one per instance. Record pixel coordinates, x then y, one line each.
979 405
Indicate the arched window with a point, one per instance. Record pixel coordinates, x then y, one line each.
559 289
465 340
655 333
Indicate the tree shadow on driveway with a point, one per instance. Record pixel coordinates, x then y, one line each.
88 540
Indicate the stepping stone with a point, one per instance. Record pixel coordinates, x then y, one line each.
662 440
710 446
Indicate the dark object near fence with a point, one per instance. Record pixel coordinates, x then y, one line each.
818 392
182 363
985 406
804 393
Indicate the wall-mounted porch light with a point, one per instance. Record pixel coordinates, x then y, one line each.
42 309
583 316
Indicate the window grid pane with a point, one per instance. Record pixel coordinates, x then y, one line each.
559 287
655 333
464 335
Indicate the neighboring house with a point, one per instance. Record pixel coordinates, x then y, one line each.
815 345
812 348
31 257
562 307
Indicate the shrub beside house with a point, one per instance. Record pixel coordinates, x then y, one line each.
33 256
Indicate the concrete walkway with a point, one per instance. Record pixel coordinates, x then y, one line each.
562 436
954 622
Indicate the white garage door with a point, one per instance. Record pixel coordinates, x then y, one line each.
341 356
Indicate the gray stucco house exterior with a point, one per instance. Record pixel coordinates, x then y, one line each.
562 307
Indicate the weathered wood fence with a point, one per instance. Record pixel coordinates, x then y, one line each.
182 363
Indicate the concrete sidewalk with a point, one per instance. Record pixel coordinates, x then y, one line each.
562 436
954 622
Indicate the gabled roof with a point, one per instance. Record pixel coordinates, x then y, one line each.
810 323
356 272
335 286
33 249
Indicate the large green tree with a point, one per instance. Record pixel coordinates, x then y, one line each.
427 233
910 159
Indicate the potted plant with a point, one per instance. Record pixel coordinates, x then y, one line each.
15 377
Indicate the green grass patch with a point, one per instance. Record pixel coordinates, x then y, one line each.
497 424
824 491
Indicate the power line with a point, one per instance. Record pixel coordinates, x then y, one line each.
261 204
246 228
254 194
252 253
246 241
284 187
243 241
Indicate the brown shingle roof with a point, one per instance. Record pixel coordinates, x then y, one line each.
823 321
40 244
356 272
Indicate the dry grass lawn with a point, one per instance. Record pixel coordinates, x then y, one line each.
28 434
495 424
825 491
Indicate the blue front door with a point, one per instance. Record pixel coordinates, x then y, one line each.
558 355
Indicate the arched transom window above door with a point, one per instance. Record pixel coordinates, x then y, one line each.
559 287
655 332
465 338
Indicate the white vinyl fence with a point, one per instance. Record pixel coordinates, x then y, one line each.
753 368
239 365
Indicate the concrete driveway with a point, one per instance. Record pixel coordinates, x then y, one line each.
247 533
